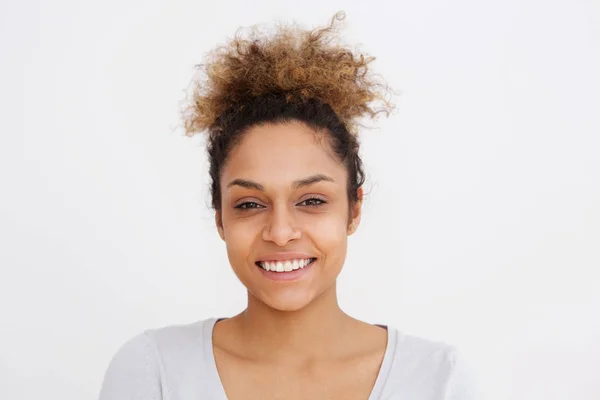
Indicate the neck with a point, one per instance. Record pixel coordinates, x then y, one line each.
314 331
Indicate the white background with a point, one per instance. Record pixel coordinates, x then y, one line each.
481 227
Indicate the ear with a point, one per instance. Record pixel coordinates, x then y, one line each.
219 223
355 213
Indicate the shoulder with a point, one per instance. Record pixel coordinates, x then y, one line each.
420 359
174 337
424 366
143 364
133 372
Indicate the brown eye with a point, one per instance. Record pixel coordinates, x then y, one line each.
248 205
313 202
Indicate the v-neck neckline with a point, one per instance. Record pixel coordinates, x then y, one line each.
218 390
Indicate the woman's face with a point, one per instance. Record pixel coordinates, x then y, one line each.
284 203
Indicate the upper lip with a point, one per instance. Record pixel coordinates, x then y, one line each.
282 256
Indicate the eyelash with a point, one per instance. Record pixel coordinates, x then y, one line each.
244 206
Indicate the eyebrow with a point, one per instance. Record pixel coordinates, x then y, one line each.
245 183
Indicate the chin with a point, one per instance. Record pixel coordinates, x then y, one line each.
288 302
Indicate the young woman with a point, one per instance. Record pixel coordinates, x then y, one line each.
287 180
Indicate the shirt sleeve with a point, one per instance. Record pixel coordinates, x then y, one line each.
133 372
462 385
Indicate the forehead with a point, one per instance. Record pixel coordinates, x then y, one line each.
283 152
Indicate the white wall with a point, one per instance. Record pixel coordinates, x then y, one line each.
482 226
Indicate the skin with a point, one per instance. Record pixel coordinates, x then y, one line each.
293 341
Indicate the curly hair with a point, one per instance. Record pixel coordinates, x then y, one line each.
291 75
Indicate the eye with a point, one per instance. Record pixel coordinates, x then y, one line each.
313 202
248 205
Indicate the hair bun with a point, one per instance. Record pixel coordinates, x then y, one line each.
304 64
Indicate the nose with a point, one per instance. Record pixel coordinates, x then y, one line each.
281 228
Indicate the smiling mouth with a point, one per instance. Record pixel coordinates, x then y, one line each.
285 266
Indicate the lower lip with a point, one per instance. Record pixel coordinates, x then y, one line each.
286 276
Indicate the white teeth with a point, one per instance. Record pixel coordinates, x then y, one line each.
284 266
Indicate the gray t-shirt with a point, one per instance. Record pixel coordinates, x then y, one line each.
177 363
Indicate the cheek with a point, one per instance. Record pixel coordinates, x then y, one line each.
329 235
239 239
327 228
